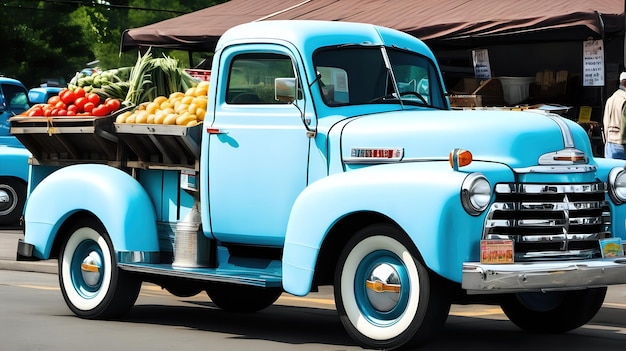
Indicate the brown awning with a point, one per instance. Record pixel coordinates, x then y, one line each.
449 22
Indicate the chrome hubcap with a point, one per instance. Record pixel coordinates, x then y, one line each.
91 269
6 204
383 287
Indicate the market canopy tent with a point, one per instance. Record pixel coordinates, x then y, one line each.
449 23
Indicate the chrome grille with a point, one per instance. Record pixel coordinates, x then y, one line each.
550 221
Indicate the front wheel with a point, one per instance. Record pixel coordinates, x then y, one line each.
12 200
385 296
553 312
91 283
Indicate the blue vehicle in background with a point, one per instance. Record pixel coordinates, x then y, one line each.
41 94
15 99
13 156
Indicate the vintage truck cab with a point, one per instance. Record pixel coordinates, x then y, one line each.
13 155
329 155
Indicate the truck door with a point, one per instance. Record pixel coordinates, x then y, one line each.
258 162
13 101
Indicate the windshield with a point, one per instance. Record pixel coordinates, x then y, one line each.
352 75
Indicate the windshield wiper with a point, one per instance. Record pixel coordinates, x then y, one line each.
394 97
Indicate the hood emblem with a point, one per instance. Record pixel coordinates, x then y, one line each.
377 153
568 156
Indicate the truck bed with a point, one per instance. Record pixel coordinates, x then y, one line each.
68 140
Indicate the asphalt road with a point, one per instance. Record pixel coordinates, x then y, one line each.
34 317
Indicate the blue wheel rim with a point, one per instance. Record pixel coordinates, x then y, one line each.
85 249
363 272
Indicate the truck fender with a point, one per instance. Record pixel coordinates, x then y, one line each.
604 166
421 198
114 197
14 162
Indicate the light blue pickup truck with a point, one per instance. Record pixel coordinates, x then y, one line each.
13 156
329 155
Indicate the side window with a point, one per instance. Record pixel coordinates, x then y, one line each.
16 98
251 78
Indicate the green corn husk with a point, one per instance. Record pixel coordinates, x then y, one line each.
153 77
139 79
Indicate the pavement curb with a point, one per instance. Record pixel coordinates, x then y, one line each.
49 266
9 239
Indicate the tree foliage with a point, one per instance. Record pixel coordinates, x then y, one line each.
53 39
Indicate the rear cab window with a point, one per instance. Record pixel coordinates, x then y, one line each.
251 78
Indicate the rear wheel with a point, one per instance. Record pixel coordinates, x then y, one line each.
385 296
91 283
242 298
12 200
553 312
182 288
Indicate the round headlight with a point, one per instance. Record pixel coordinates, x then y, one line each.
475 194
617 185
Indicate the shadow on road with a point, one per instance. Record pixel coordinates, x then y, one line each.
300 326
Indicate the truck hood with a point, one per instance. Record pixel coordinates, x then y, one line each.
514 138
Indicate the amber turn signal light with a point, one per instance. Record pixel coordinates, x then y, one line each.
459 158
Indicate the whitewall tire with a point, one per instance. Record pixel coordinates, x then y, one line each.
384 294
91 283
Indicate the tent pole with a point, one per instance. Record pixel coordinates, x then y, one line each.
602 88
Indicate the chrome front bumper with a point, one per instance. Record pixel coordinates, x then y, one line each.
542 276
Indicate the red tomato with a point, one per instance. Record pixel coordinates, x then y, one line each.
72 108
61 105
100 110
71 113
62 92
106 109
68 97
35 111
88 106
80 103
113 104
54 99
94 98
80 92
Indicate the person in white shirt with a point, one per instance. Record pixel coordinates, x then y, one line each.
614 122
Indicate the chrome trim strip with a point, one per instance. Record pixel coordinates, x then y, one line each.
557 169
376 161
548 206
548 238
509 188
551 158
532 169
568 138
254 278
360 160
480 278
137 257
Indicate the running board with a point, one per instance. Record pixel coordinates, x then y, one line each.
240 276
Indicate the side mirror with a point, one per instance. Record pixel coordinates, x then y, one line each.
285 89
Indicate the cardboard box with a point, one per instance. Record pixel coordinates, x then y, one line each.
472 92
